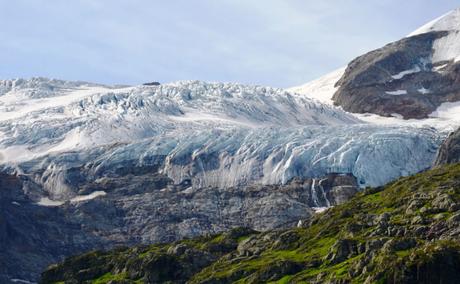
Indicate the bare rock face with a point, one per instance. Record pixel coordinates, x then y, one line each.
449 152
400 78
31 236
141 207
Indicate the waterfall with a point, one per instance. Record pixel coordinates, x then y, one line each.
314 194
328 203
317 193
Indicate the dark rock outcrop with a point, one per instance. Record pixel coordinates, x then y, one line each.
152 84
32 236
449 152
372 81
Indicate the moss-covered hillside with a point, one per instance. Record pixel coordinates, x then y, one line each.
406 232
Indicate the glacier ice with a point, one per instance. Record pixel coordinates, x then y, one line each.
208 134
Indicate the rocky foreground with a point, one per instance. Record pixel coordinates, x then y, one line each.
405 232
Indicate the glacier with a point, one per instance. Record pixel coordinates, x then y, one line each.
226 158
208 134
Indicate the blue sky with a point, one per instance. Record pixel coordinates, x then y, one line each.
269 42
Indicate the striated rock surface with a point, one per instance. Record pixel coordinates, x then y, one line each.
449 152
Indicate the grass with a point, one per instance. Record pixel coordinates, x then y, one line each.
403 253
285 280
110 277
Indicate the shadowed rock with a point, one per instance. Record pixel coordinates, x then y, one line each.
449 152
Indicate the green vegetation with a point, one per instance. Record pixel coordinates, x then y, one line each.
404 232
109 277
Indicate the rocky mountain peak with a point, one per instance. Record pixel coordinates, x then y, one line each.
411 77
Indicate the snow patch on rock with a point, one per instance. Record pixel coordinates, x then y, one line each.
319 209
424 91
81 198
397 92
401 75
45 201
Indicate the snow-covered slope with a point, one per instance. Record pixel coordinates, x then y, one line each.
448 47
321 89
447 22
